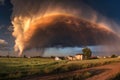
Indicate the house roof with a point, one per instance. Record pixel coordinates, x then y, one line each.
70 56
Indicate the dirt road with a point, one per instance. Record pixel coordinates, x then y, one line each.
111 70
99 73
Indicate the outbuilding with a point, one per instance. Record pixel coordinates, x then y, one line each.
79 56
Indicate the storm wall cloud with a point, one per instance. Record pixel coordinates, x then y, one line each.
44 24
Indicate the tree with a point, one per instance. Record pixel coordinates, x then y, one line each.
113 56
25 56
87 52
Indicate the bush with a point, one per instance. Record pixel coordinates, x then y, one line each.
113 56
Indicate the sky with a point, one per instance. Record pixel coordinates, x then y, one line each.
5 22
107 8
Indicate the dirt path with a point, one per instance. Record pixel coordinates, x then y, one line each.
112 69
100 73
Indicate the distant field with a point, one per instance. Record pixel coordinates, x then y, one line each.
16 68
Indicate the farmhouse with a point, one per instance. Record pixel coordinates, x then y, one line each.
70 57
76 57
79 56
118 56
57 58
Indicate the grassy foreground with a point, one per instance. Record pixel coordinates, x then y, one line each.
16 68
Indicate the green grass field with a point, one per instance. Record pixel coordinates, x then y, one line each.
16 68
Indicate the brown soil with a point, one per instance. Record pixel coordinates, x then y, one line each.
104 72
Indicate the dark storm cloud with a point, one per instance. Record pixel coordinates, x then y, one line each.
43 6
67 31
2 2
36 25
1 26
31 7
